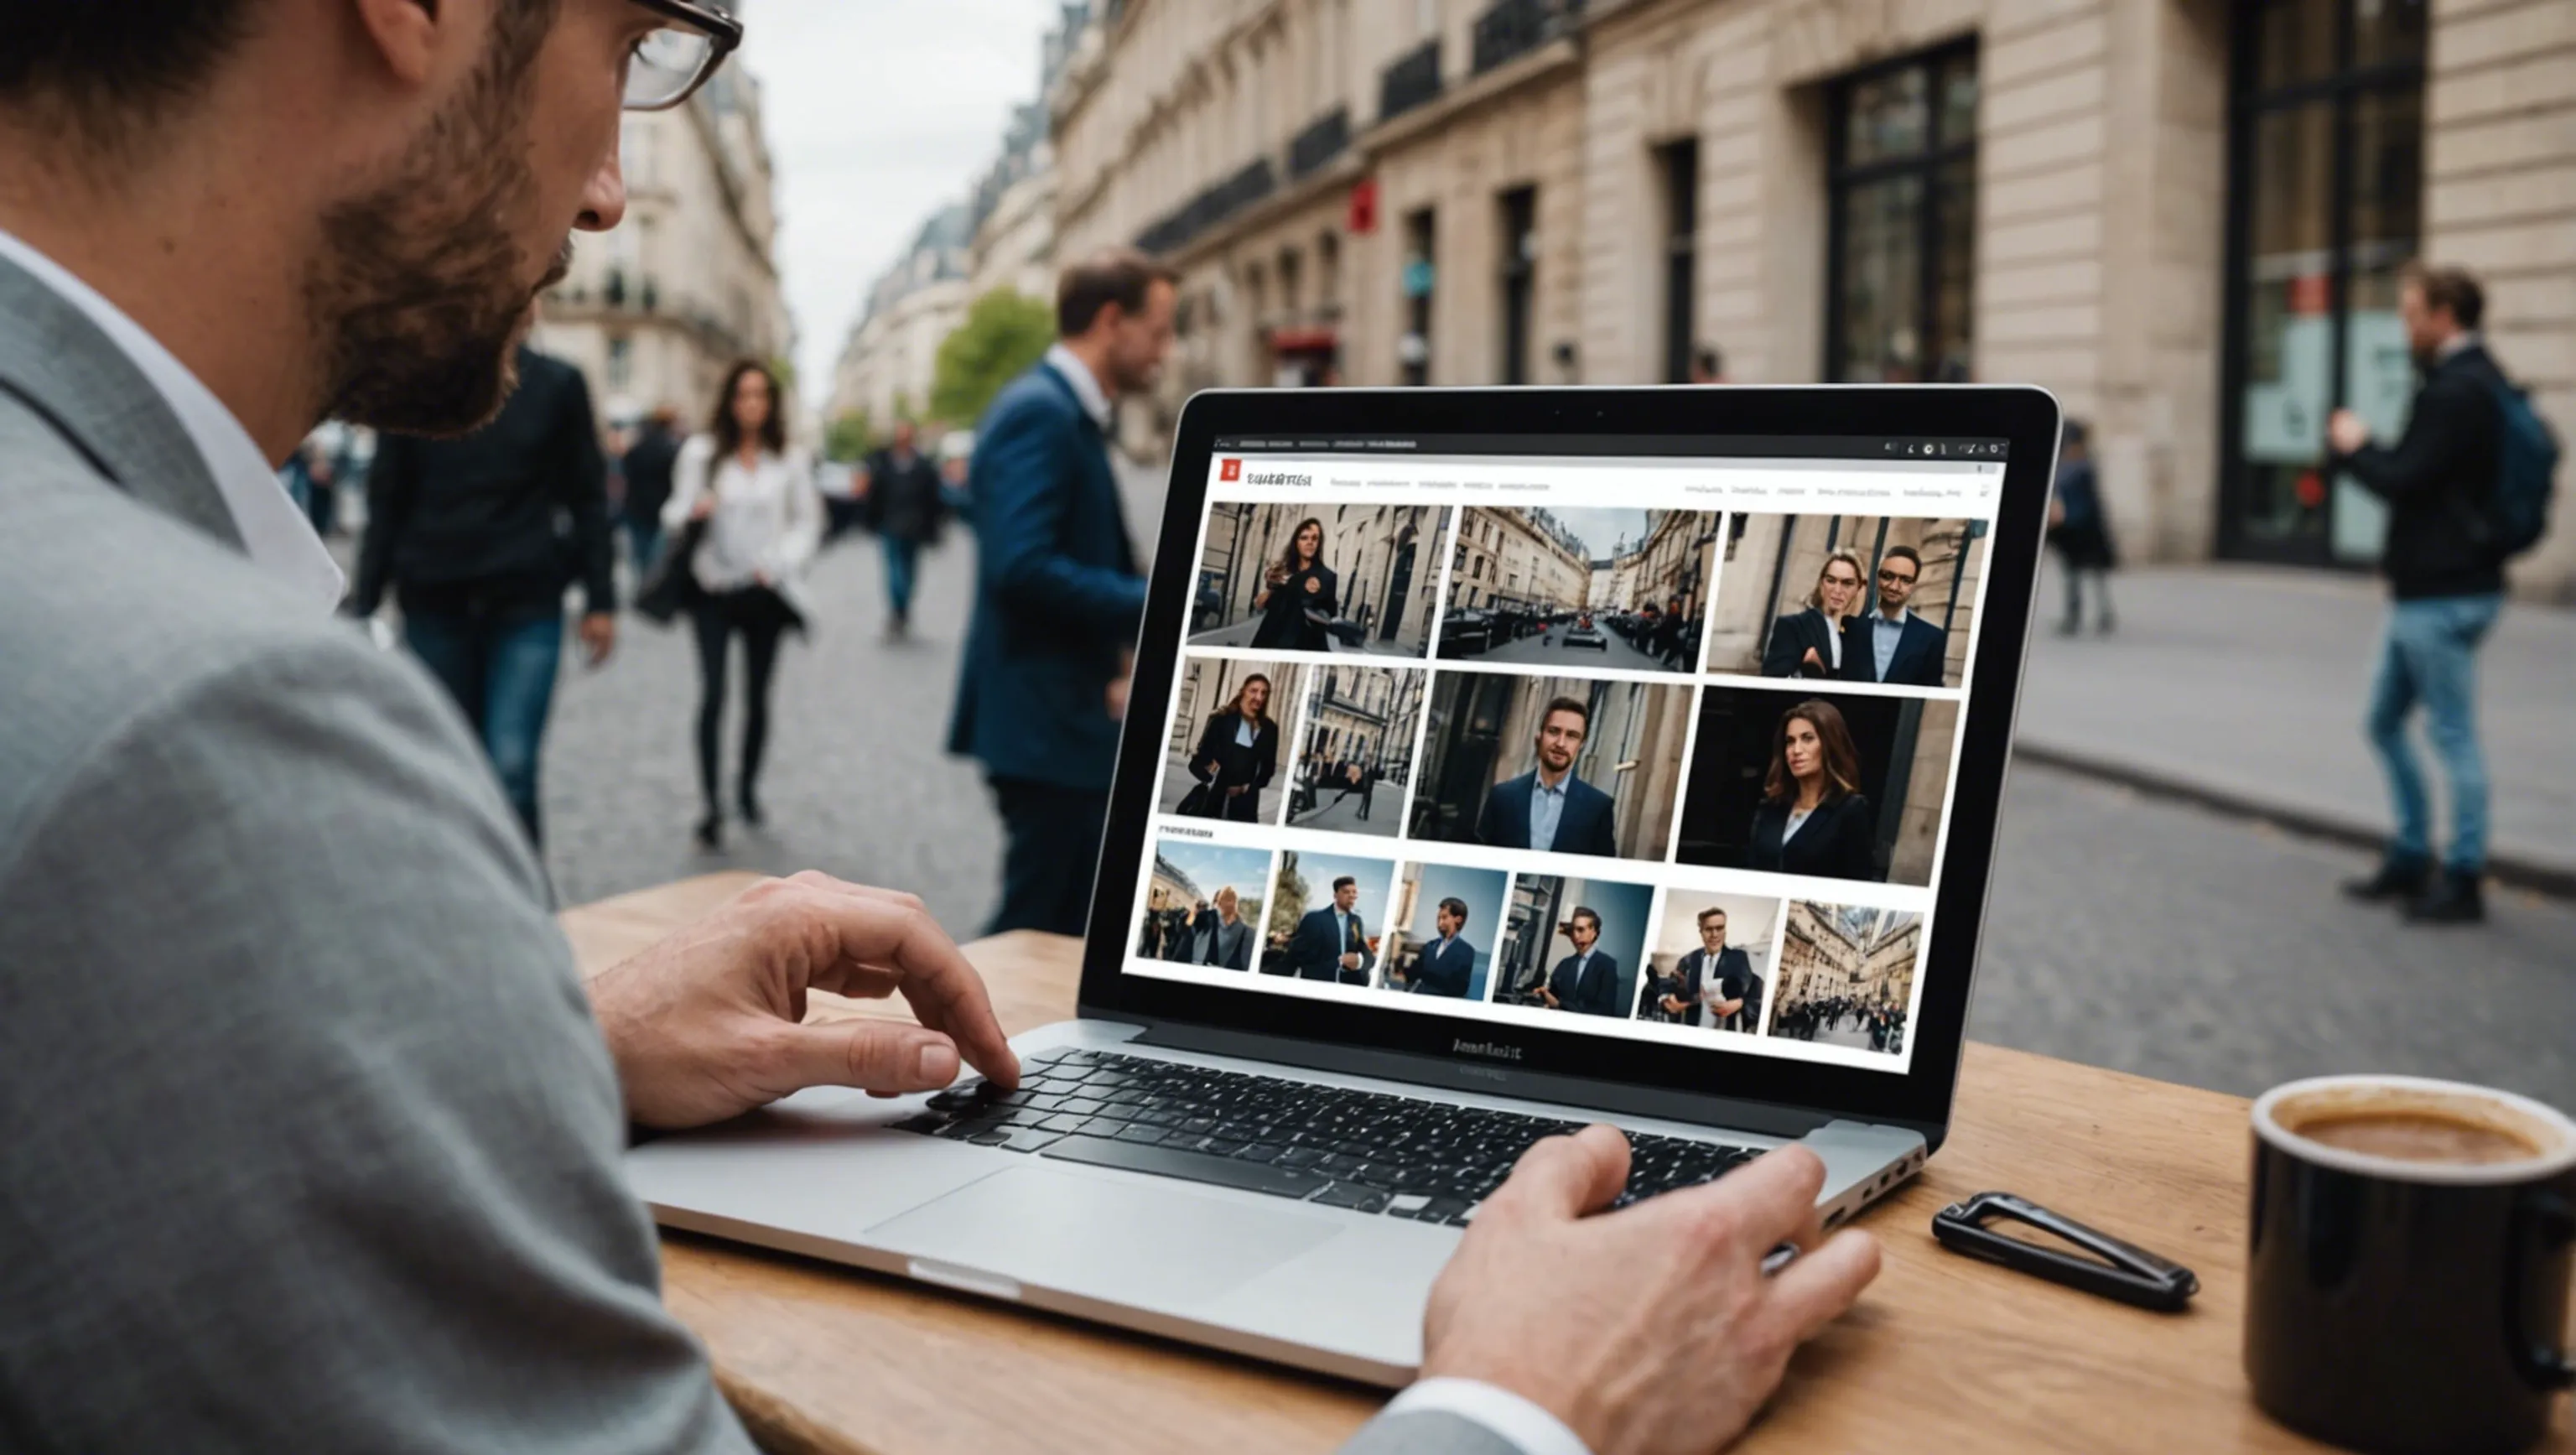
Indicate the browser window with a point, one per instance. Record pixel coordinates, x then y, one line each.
1648 738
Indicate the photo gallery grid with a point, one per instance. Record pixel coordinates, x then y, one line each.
1728 917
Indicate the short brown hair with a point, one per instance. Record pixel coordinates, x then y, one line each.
2452 290
1116 275
1573 705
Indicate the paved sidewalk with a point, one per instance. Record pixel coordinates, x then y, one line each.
2244 687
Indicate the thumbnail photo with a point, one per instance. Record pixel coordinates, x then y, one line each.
1564 764
1830 785
1589 587
1847 598
1710 961
1357 754
1326 918
1847 976
1230 723
1312 577
1204 904
1447 923
1573 944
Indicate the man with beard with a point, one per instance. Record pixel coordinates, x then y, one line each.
1548 808
329 1159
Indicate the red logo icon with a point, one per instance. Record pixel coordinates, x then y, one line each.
1229 470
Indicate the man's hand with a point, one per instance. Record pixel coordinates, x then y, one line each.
1650 1329
598 637
1813 660
708 1023
2346 432
1351 961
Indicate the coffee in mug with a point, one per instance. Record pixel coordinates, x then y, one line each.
2408 1279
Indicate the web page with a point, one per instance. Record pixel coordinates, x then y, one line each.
1649 747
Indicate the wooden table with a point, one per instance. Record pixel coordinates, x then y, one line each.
1942 1354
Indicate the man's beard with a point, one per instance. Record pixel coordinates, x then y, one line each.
421 291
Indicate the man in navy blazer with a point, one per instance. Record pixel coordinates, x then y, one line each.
1587 981
1548 807
1448 964
1331 943
1892 644
1057 593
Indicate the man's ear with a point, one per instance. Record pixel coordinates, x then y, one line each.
408 34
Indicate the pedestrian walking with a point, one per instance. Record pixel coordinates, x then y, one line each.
1042 689
759 519
647 467
906 505
2466 487
476 538
2080 532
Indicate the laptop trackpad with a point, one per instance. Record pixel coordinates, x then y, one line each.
1129 1242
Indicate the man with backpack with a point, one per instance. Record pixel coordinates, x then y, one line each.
2467 488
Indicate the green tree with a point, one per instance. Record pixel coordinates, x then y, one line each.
1290 903
848 438
1004 333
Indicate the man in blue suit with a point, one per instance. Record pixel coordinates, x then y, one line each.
1447 964
1331 943
1587 981
1892 644
1057 591
1548 807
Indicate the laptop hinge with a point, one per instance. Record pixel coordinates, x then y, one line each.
1767 1118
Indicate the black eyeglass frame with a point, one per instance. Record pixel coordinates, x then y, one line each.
722 30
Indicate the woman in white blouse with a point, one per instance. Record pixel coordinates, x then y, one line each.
762 521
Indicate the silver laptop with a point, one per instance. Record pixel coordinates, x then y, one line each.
1497 761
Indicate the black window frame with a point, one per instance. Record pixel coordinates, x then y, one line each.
2249 103
1677 167
1841 178
1516 216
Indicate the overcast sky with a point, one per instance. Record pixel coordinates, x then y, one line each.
880 111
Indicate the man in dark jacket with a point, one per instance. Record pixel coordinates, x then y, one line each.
1057 594
647 467
471 536
904 507
2447 585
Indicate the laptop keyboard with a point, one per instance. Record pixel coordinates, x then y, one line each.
1401 1156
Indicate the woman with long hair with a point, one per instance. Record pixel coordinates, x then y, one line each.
750 500
1298 594
1238 755
1810 643
1813 818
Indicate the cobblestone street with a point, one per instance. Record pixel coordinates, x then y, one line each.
2126 930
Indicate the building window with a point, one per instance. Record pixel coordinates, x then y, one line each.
1520 272
1903 198
1678 166
2326 189
1413 351
621 361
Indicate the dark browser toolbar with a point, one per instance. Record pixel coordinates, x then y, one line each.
1661 446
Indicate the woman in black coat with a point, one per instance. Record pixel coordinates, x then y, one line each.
1810 643
1298 595
1237 755
1813 818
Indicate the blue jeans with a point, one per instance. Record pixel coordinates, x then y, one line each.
2430 657
643 543
500 669
900 554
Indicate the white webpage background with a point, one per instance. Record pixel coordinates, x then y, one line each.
1926 489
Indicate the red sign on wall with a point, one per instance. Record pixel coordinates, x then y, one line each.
1363 217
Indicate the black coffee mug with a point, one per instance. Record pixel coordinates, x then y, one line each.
2406 1303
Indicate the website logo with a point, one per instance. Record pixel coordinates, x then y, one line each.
1492 1050
1229 470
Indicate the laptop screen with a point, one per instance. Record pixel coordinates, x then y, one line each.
1549 731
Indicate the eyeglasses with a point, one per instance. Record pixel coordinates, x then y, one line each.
1898 577
668 66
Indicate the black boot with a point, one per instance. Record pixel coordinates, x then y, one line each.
2453 898
749 803
2397 879
710 831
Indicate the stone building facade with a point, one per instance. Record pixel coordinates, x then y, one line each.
2182 216
1366 715
1833 951
1518 559
886 369
1673 563
654 312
